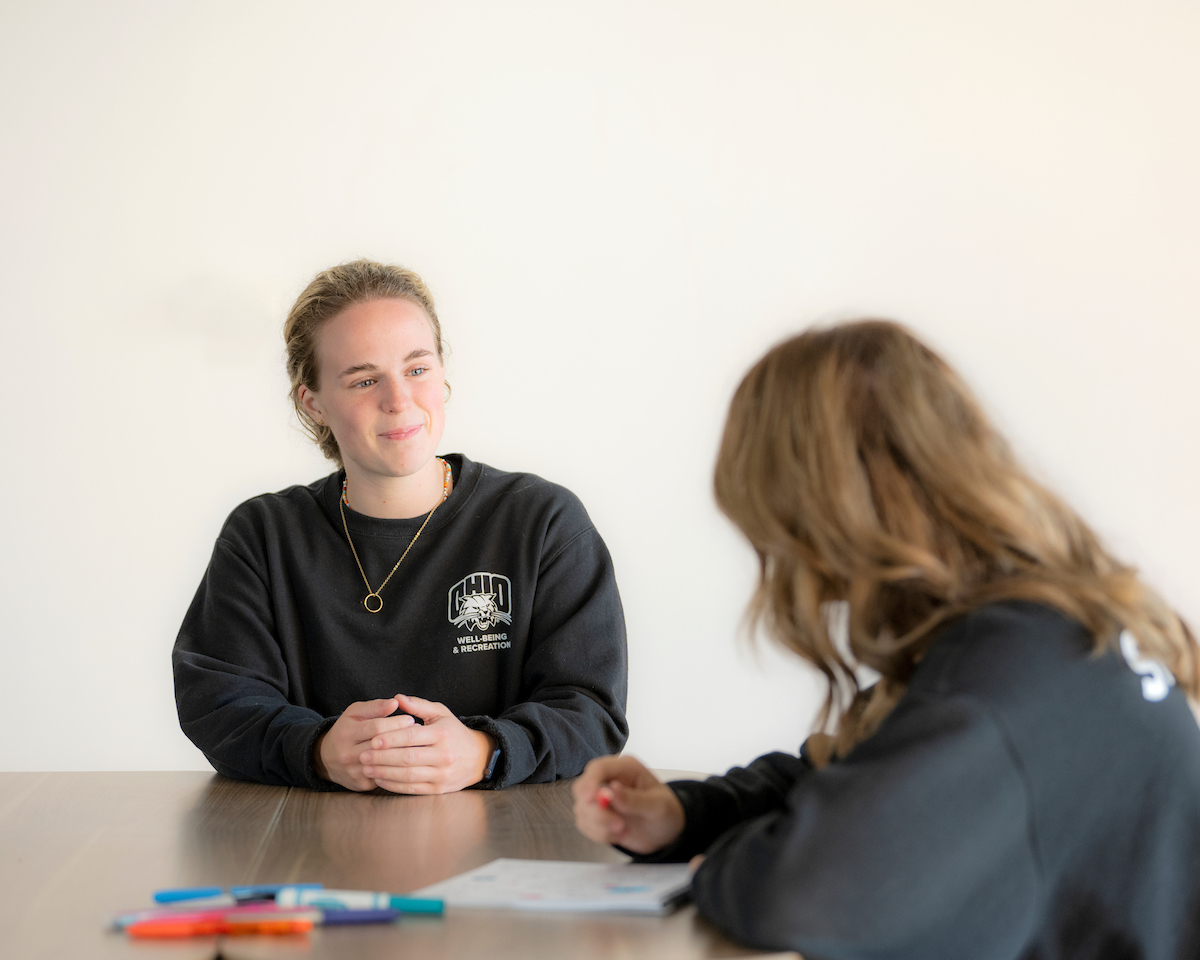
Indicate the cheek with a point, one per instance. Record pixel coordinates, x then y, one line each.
433 399
348 413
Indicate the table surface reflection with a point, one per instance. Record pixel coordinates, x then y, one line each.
77 847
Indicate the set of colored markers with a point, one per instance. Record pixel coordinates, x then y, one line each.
270 909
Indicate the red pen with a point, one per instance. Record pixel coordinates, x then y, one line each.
604 797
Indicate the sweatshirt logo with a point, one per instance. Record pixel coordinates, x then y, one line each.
480 601
1157 680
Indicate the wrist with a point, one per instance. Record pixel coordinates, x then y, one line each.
677 817
488 757
318 763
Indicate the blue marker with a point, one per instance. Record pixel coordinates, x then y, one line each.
217 897
187 893
334 917
267 891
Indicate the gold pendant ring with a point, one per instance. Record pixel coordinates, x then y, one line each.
367 602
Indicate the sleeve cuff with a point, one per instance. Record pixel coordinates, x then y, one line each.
516 761
308 767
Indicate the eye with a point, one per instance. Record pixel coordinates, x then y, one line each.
365 383
417 371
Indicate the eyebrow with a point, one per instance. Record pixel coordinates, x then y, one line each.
364 367
357 368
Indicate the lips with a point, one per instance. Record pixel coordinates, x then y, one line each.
402 433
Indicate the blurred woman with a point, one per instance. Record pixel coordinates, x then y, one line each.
412 622
1024 778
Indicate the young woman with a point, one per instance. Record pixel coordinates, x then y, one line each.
412 622
1023 780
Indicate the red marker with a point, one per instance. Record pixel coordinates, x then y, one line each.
175 929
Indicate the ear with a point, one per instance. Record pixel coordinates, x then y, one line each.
310 402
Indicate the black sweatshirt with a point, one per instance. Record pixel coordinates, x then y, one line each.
1025 799
506 610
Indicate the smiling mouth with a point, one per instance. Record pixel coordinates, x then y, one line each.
403 433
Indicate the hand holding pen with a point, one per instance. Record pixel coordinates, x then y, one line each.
617 800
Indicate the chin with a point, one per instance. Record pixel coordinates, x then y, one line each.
409 467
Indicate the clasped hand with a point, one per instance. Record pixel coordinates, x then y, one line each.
368 747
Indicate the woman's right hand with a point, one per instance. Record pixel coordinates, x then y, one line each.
337 754
617 800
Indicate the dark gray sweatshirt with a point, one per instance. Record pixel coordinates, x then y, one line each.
506 610
1025 799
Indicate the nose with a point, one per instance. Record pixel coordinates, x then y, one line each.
395 395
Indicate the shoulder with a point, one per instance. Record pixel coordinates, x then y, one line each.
510 508
996 644
271 515
525 494
1039 669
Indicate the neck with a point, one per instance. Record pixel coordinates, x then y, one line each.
394 498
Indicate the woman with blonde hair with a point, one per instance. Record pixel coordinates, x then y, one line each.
1024 778
415 622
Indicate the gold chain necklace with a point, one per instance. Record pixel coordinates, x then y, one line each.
447 476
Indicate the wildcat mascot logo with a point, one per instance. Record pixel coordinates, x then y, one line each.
480 601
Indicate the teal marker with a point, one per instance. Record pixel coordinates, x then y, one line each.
353 900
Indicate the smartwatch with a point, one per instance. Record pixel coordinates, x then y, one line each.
491 767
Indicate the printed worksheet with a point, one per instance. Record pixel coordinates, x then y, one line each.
566 886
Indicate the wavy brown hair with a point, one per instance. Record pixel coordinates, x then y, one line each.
330 292
862 469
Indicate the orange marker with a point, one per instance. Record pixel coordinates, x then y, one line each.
173 929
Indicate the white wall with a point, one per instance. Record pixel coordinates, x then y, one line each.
618 206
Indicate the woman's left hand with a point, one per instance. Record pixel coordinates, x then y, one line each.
441 756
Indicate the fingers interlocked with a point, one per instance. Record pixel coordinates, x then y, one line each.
411 754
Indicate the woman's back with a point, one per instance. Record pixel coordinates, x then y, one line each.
1110 779
1023 799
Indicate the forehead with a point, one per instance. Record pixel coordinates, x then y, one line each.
379 332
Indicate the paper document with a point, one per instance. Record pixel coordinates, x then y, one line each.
565 886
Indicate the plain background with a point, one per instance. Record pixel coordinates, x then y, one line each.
619 206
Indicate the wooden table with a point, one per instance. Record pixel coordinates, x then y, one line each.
76 848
